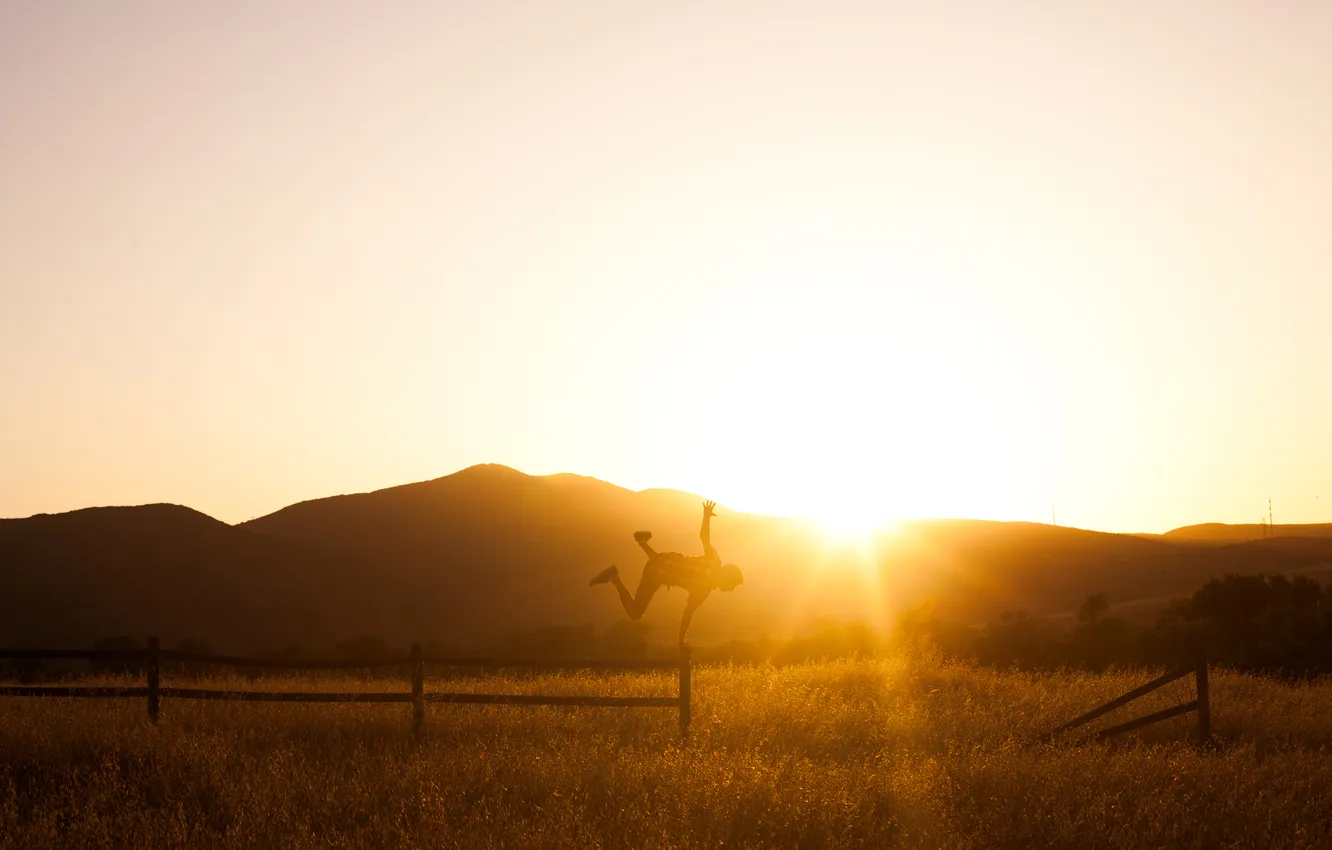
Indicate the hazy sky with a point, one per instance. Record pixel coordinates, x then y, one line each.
964 259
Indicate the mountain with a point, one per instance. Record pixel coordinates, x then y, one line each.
73 578
491 547
1217 532
974 569
458 561
466 559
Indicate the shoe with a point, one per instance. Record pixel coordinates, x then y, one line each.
604 576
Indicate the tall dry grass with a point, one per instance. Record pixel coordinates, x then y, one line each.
903 751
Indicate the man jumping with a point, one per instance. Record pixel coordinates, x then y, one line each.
698 574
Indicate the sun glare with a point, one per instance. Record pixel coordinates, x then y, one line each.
913 406
851 525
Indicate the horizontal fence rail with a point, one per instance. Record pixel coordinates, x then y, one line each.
588 664
1201 704
284 696
153 656
340 663
542 699
59 691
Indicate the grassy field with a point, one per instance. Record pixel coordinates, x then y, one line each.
888 752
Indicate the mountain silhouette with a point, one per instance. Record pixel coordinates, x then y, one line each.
974 569
464 560
72 578
1216 532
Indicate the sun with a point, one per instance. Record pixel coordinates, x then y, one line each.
851 525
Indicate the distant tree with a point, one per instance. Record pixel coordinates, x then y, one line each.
1266 623
1177 638
1093 608
1098 641
916 623
1018 640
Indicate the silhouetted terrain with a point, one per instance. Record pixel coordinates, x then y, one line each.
976 569
467 559
76 577
1219 532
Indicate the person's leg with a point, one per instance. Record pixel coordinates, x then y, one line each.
604 576
636 603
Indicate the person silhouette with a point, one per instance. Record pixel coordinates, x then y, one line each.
698 574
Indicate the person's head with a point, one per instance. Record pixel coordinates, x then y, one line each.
729 577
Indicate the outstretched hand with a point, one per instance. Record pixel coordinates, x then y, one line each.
707 508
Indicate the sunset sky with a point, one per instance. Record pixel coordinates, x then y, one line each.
850 258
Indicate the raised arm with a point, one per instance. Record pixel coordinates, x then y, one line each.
705 533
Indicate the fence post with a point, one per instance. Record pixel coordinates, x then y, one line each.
685 695
1204 703
418 692
154 669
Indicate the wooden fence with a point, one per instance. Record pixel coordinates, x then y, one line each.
1201 703
416 662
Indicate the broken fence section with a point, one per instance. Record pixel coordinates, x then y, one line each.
1201 704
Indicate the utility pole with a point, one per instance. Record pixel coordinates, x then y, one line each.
1053 521
1270 527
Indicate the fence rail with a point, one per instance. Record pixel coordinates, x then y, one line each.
59 691
339 663
417 661
1201 704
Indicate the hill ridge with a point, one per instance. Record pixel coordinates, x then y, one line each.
1235 532
489 550
154 508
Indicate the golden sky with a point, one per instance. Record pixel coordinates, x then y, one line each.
869 259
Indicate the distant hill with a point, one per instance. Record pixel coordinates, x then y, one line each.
976 568
489 551
77 577
1217 532
491 547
